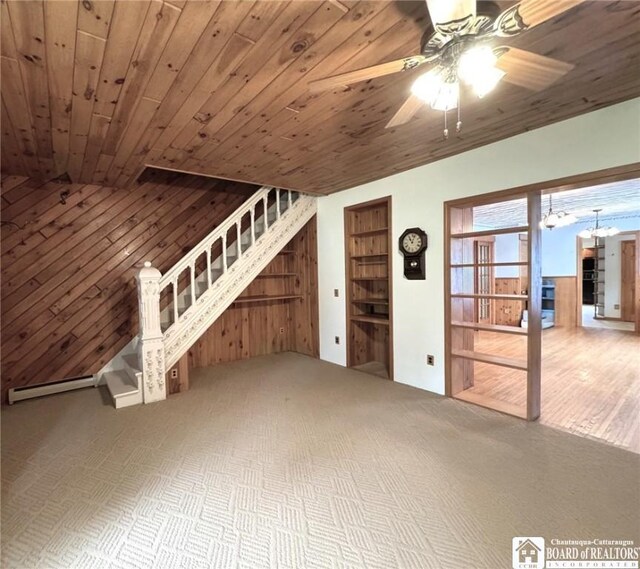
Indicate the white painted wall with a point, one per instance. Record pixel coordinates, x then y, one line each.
602 139
559 256
506 249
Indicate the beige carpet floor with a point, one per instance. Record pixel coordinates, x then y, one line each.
287 462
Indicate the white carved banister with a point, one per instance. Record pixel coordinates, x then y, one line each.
167 332
151 346
235 278
221 231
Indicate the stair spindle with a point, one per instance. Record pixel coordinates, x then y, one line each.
192 271
224 253
252 214
239 238
174 286
277 203
209 267
265 202
288 199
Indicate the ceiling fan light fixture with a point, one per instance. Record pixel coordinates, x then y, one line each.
477 67
487 81
446 12
447 97
427 86
474 62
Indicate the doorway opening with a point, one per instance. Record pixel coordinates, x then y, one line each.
589 378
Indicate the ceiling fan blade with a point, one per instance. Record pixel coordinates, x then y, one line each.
530 70
405 113
447 11
366 73
534 12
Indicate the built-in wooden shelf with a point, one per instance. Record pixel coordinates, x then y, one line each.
473 265
368 290
491 328
371 318
489 232
270 275
493 296
490 359
369 255
370 232
265 298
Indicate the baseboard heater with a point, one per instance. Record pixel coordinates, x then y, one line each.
31 391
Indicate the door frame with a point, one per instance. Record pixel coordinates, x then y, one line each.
616 174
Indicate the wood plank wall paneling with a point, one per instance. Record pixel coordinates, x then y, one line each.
566 305
101 88
248 329
68 270
507 312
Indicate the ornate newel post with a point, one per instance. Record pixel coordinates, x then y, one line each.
151 348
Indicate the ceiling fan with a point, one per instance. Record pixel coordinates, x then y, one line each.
462 50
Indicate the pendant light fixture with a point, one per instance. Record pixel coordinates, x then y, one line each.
557 219
598 231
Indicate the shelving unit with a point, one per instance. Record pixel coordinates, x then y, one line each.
462 268
598 277
548 307
265 298
276 283
368 287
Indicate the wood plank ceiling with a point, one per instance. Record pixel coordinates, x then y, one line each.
99 89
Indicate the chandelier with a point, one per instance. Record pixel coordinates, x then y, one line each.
598 231
557 218
440 87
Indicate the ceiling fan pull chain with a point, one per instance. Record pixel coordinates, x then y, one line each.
445 132
459 123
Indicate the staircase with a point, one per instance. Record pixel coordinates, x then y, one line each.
177 308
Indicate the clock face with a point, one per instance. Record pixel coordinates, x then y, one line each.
412 243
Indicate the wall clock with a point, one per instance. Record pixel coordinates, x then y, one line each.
413 244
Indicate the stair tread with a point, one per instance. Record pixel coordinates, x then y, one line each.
120 384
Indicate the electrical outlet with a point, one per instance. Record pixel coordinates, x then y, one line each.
430 360
281 330
336 292
616 307
337 339
174 373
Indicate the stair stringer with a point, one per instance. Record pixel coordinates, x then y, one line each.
215 300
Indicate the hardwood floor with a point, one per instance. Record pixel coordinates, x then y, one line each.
588 321
590 381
